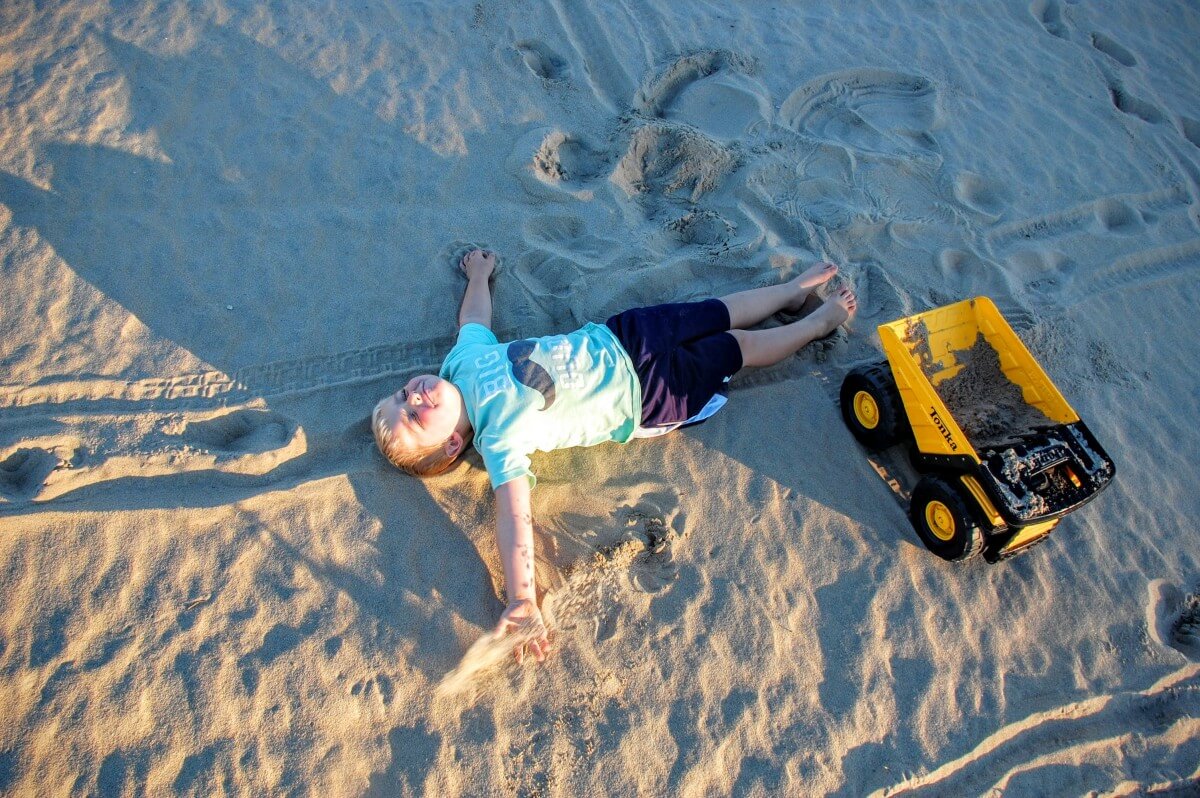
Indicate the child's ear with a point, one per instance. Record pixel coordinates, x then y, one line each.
454 445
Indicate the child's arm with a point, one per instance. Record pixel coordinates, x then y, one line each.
514 536
478 265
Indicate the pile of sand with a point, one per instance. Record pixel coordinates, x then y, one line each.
988 406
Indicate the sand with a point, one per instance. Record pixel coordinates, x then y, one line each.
227 228
989 408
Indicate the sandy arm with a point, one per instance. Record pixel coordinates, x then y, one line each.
514 537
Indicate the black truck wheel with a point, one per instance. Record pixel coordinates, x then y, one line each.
943 518
871 407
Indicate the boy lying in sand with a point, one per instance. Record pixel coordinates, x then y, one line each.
642 373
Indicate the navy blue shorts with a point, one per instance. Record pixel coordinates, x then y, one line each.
682 353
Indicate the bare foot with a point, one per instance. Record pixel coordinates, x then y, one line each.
804 283
837 309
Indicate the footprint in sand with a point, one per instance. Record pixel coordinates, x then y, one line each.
1190 128
965 268
85 453
567 159
980 194
1047 12
241 432
1173 618
869 110
555 165
543 61
23 473
879 296
1116 216
1113 50
554 283
1127 103
1037 264
547 275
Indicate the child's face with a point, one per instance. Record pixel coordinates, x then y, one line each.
425 412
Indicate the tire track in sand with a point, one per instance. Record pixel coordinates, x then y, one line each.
1053 225
216 388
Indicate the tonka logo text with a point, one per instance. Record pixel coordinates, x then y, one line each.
942 429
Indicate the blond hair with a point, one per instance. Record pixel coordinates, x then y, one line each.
420 462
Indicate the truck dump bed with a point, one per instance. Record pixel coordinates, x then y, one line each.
1029 450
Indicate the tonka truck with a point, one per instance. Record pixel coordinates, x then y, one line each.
1004 495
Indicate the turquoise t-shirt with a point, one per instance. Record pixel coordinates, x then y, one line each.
540 394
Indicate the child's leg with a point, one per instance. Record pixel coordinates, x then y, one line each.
751 307
767 347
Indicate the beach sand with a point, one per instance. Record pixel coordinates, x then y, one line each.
228 228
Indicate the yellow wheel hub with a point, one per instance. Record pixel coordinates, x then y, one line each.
940 520
866 410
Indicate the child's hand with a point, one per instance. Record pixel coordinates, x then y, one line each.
478 263
524 616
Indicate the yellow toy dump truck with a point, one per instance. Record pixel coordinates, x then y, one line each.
1003 456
